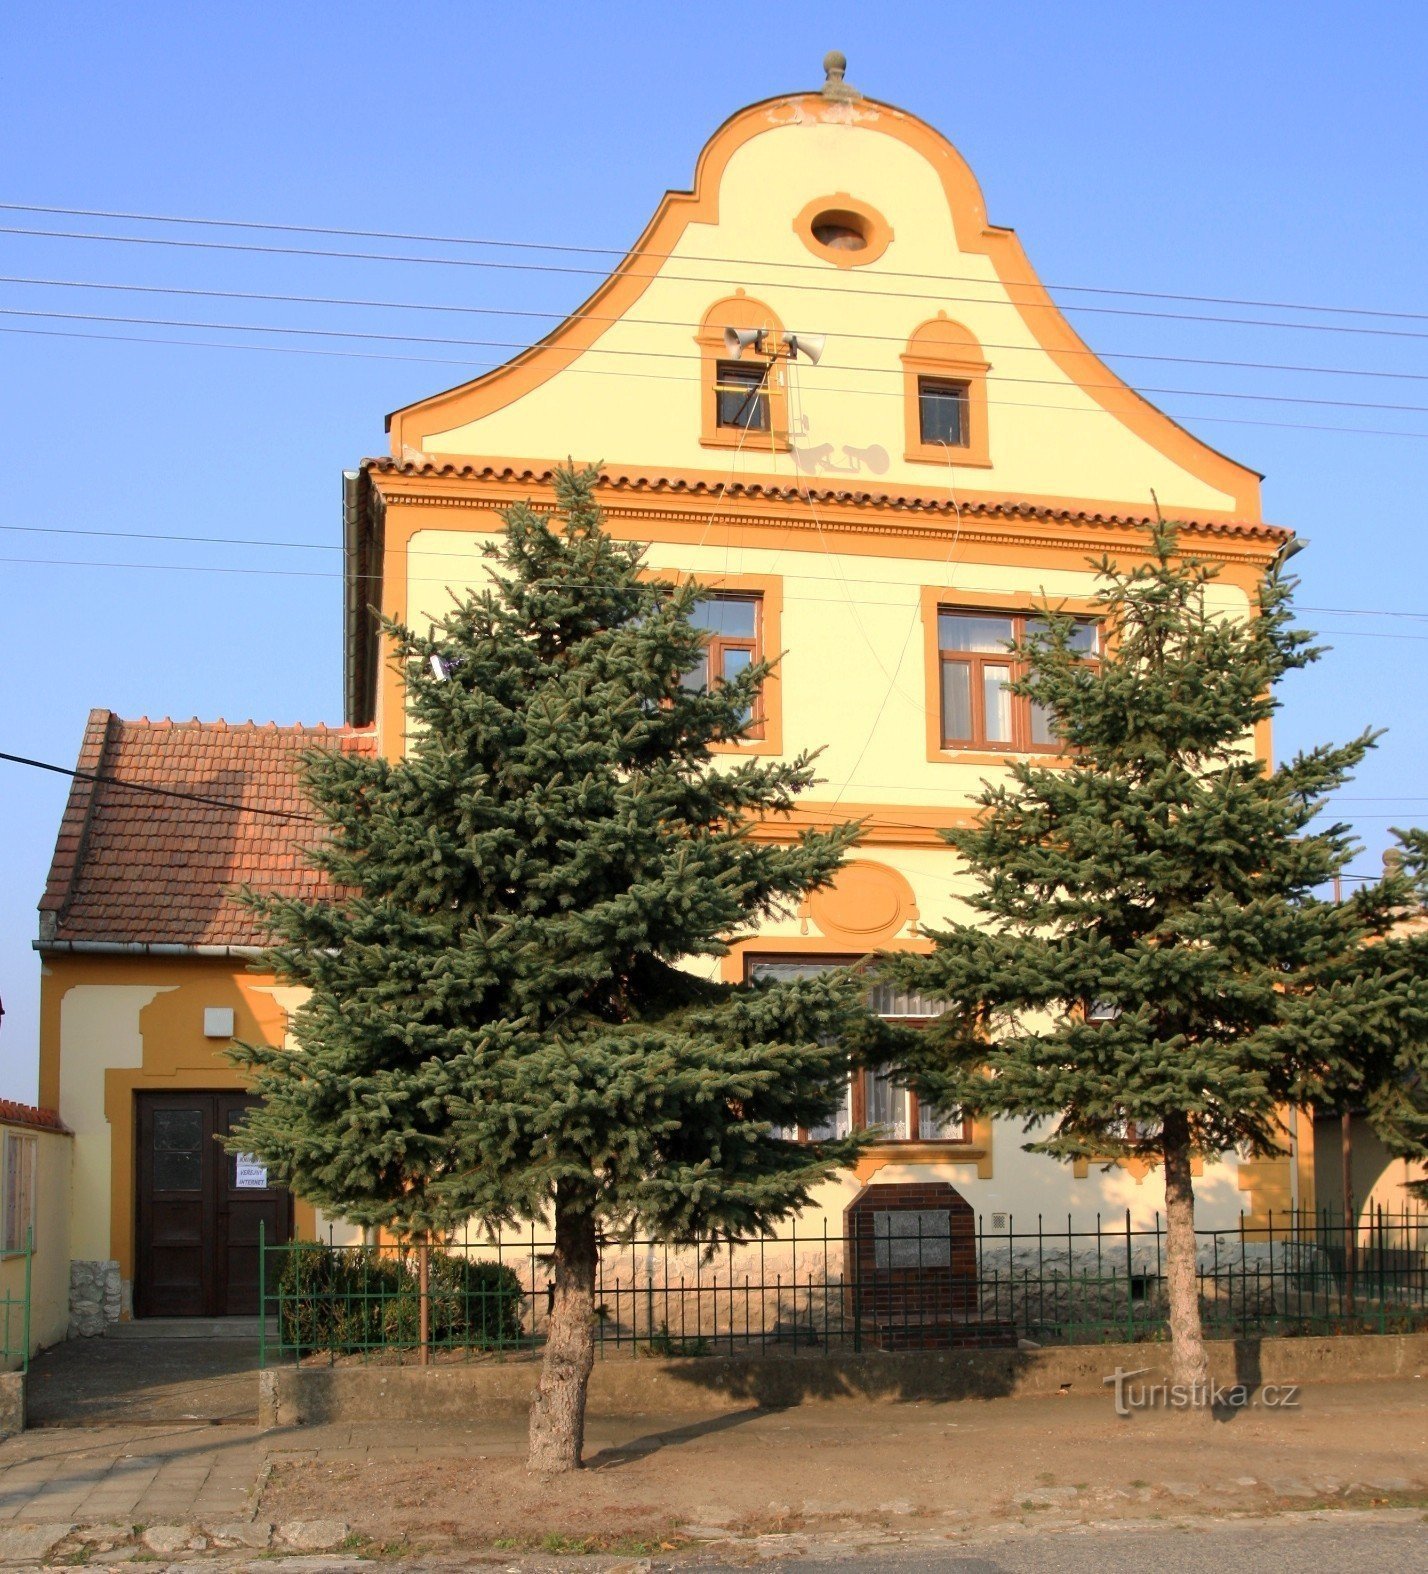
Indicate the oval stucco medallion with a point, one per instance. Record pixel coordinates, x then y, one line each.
869 902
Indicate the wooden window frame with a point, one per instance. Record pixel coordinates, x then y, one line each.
727 380
928 384
937 600
941 350
741 311
974 1142
914 1137
768 588
717 645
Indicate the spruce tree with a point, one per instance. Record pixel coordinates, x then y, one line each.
1397 1105
511 1014
1163 875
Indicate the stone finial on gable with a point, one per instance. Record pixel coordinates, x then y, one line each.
835 63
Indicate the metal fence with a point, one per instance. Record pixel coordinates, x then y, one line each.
893 1284
15 1309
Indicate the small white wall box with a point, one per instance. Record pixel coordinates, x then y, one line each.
218 1021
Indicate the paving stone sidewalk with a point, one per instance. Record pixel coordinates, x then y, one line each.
142 1474
872 1472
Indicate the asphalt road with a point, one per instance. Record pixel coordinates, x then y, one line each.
1326 1543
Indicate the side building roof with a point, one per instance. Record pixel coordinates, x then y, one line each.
166 819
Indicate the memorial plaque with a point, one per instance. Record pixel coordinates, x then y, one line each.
912 1238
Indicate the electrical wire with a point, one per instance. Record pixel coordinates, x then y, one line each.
575 370
162 792
566 248
278 297
154 790
840 290
1197 416
466 557
681 357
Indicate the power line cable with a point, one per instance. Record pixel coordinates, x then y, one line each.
154 790
618 252
279 297
162 792
841 291
481 367
465 556
681 357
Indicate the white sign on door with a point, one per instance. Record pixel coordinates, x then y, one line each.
251 1176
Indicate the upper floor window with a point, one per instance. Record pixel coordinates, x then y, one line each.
976 671
733 642
945 395
743 402
742 396
942 411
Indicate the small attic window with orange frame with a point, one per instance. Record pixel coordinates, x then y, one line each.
735 411
945 396
843 230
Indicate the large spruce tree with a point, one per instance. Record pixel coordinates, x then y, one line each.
1149 972
499 1025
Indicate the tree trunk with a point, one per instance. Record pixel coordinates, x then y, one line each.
557 1435
1188 1363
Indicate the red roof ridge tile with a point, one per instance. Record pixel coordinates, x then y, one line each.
218 724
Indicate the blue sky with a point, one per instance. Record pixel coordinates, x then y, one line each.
1271 152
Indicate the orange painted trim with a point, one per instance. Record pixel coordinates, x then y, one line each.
741 311
886 825
895 509
877 232
978 1151
945 349
413 424
731 964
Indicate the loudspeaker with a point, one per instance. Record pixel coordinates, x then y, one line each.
737 340
809 344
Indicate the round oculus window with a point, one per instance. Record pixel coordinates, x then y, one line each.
839 230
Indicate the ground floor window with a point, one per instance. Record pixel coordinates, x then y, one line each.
873 1098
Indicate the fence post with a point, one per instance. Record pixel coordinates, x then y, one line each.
25 1315
1382 1308
1130 1274
262 1294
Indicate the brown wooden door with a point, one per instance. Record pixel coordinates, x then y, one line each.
199 1209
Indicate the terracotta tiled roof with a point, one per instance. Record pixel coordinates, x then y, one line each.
932 502
13 1114
137 866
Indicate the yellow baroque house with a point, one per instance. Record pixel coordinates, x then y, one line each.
825 386
822 383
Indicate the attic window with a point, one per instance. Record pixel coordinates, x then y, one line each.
840 230
844 230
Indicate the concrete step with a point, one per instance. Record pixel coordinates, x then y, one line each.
192 1328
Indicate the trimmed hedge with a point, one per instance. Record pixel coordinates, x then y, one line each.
353 1299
